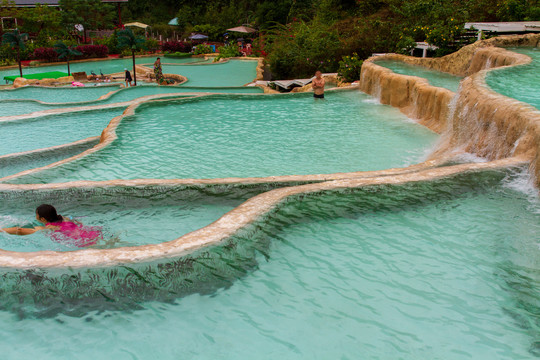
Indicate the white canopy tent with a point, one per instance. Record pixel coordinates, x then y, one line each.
139 25
504 27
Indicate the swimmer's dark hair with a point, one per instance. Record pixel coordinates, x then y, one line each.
48 212
158 58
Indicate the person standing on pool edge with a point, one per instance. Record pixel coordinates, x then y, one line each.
318 85
128 77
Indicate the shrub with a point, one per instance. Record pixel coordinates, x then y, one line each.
151 45
111 42
176 46
349 68
45 53
405 44
7 62
6 53
227 51
203 49
178 55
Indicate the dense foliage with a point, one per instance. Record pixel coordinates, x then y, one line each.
299 36
227 51
299 49
202 49
349 68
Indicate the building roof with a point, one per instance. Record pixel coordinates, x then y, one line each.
517 26
32 3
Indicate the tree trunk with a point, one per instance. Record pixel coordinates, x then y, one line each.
19 60
134 70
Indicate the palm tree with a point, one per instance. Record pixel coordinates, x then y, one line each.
126 39
16 40
65 51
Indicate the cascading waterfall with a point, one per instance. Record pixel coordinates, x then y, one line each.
475 119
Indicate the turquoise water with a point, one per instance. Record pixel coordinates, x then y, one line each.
433 271
20 107
519 82
139 91
231 73
246 136
17 164
53 130
435 78
106 66
57 95
149 217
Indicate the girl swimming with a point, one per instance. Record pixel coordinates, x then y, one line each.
61 229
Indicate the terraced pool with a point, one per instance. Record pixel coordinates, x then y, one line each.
435 78
527 89
246 136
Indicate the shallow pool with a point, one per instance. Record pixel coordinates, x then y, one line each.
435 78
125 218
425 271
252 136
231 73
53 130
16 164
519 82
19 107
57 95
139 91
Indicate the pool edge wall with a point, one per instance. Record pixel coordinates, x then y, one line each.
228 225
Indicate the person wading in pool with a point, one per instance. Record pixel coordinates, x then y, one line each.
318 85
128 77
61 229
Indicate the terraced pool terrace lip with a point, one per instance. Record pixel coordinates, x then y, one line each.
229 224
96 104
286 180
89 140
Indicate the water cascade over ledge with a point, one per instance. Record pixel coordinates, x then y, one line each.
476 119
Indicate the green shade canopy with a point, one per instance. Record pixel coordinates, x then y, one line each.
174 21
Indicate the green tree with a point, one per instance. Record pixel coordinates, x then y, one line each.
39 18
91 14
128 40
67 52
16 40
300 48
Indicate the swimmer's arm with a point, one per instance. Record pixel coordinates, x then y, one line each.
22 231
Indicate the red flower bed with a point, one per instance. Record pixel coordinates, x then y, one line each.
92 51
176 46
44 53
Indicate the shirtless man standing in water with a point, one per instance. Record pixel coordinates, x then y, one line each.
318 86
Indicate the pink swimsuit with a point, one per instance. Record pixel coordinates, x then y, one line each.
75 234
